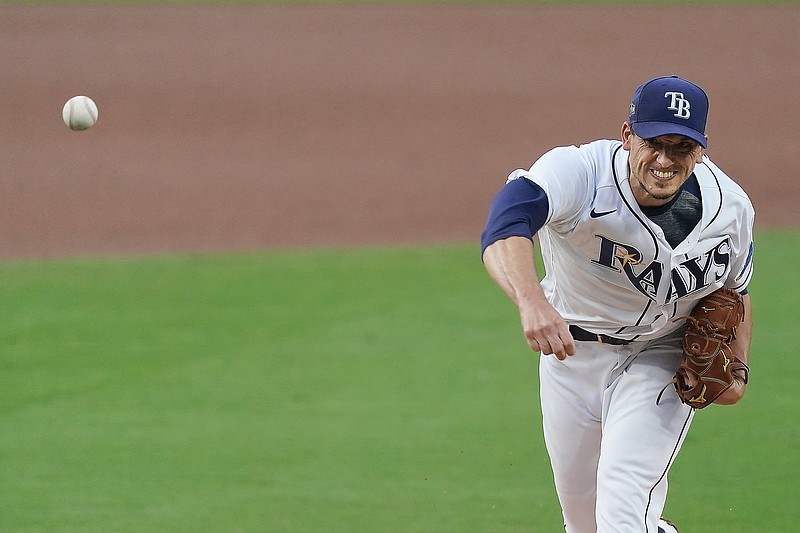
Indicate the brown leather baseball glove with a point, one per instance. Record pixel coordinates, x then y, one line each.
708 364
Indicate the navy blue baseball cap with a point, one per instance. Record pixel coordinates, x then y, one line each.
669 105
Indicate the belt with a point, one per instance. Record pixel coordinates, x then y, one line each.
580 334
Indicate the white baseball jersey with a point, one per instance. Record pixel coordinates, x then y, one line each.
609 268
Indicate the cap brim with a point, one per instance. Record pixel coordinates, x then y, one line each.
650 130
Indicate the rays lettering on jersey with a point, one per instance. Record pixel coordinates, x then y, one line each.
693 274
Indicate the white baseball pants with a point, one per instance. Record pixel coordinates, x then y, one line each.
610 442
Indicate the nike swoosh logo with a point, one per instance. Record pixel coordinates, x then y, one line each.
595 214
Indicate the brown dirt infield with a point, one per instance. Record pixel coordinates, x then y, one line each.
238 128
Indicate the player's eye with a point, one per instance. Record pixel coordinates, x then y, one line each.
683 149
652 145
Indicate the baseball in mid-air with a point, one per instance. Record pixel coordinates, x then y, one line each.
79 113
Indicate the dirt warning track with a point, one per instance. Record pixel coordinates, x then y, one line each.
227 128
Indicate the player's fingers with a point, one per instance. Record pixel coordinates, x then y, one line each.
554 347
562 353
563 345
550 340
535 346
569 342
540 345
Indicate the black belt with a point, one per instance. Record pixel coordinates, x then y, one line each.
580 334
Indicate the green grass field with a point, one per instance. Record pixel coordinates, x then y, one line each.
331 390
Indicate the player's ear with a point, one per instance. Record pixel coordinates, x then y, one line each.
700 151
698 158
626 135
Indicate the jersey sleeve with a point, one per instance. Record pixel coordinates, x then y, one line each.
552 191
742 265
518 210
565 174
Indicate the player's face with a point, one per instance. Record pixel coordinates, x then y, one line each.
658 167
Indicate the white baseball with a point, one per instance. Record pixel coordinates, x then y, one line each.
80 113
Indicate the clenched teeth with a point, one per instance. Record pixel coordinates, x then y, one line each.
662 175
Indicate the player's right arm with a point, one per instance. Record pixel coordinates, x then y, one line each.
518 211
510 263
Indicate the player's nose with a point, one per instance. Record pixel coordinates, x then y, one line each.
663 158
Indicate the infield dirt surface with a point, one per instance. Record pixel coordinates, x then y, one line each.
240 128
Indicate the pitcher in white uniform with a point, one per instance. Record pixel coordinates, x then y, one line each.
632 233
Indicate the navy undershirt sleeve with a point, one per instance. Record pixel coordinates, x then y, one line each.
518 210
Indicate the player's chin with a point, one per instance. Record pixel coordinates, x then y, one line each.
659 190
664 190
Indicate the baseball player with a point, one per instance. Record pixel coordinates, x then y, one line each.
632 233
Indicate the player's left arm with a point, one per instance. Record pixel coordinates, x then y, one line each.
740 347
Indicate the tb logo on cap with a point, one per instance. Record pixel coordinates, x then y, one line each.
679 104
